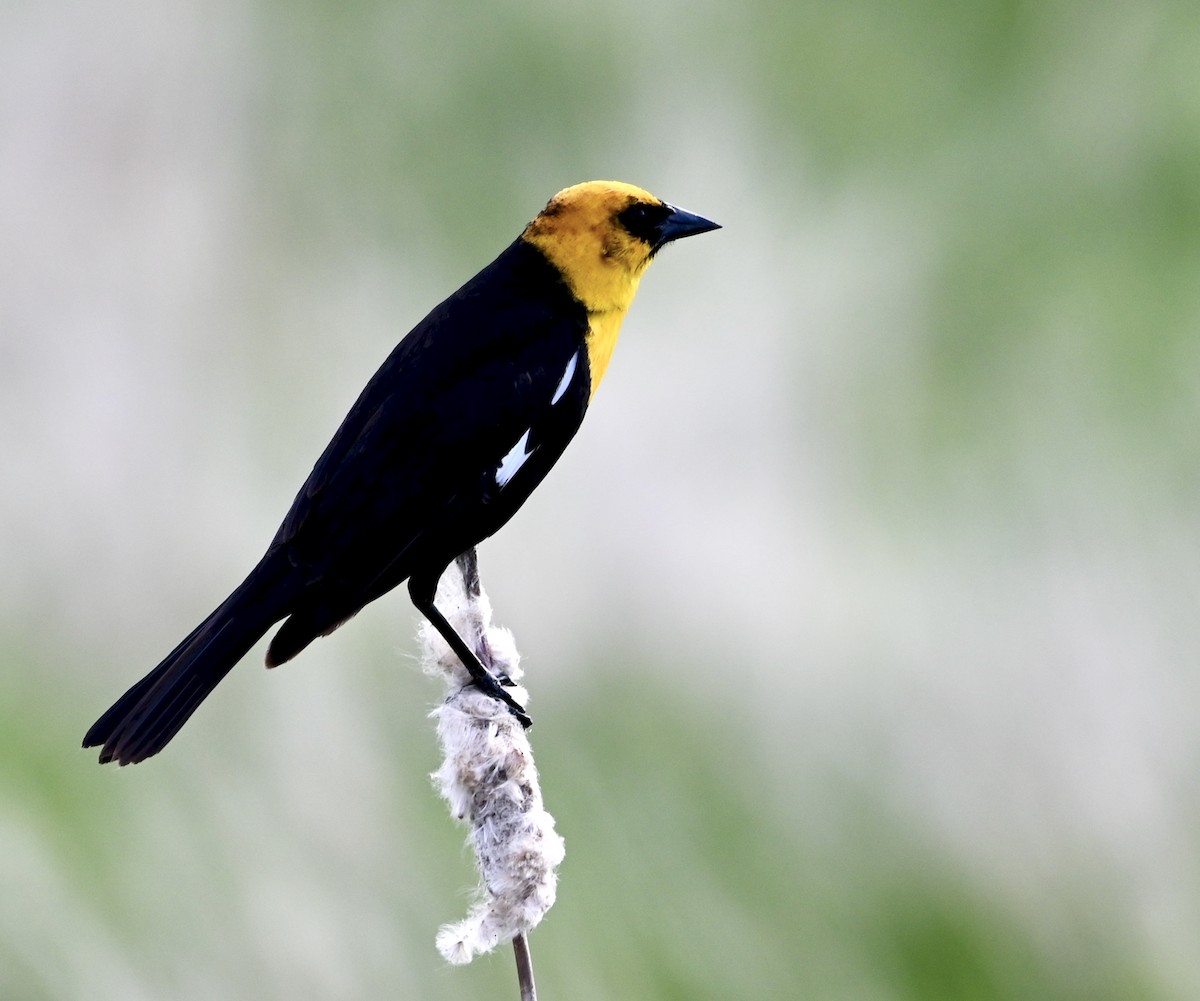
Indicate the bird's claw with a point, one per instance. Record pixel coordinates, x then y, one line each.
491 685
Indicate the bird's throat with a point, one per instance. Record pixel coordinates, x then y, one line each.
603 330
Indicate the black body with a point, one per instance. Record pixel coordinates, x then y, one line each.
407 484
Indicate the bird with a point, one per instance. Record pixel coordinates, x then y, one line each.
464 418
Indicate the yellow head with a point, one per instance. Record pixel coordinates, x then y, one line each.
600 236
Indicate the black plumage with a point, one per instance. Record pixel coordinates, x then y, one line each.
461 422
406 485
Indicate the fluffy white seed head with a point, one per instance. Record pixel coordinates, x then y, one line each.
489 780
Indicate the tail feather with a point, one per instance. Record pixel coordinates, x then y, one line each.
145 718
302 627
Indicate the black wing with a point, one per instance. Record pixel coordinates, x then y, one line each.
438 419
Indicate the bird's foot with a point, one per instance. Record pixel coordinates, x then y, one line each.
492 686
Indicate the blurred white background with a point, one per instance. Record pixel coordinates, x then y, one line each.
861 616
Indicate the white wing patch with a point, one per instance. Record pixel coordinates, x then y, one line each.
566 379
513 461
520 452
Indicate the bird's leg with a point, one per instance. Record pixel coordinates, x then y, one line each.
481 678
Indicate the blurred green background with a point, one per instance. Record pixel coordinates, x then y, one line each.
861 617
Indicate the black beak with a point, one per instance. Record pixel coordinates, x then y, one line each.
680 224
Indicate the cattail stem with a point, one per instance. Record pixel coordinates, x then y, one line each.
524 967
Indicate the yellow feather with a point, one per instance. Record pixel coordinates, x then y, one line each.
603 329
601 262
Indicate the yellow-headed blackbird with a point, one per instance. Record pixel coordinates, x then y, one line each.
464 418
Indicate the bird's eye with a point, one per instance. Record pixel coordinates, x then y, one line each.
642 220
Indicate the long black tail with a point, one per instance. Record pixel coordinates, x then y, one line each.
146 717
